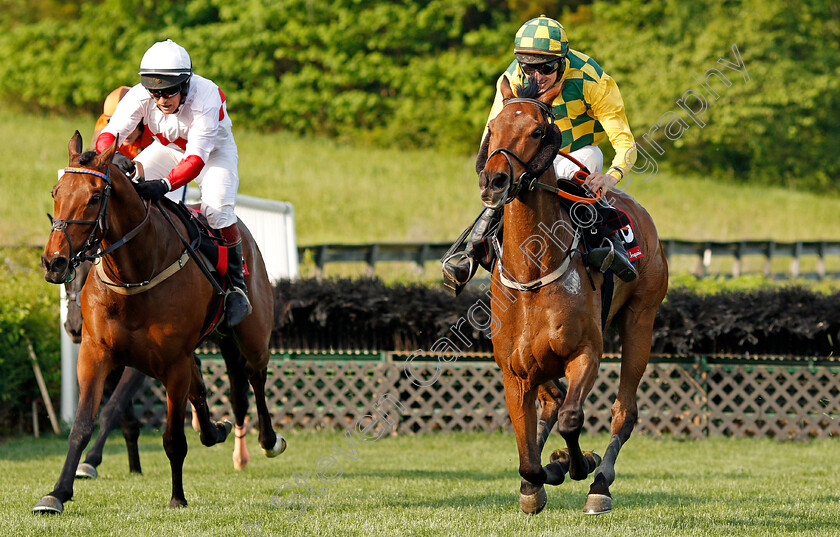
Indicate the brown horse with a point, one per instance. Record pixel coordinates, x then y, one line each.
123 384
548 310
156 329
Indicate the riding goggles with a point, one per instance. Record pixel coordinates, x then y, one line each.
544 69
165 93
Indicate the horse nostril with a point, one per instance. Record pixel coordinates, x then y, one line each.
59 265
500 179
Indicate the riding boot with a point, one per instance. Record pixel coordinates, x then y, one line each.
459 268
237 305
612 255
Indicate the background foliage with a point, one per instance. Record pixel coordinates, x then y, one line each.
421 72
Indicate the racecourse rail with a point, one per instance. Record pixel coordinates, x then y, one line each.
702 252
779 397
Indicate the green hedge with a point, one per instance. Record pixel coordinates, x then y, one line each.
421 72
28 314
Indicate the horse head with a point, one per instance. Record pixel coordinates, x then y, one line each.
523 143
81 208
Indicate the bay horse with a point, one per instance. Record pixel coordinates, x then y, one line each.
123 384
155 330
547 308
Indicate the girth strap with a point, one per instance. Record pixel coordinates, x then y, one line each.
142 287
533 285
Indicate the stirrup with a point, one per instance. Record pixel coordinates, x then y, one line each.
451 284
228 319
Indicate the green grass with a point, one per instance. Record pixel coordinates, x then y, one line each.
445 484
346 193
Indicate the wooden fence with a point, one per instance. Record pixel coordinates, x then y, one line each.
703 253
777 397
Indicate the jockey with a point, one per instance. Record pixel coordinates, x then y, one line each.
187 117
588 109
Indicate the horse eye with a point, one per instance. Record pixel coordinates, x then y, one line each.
94 200
537 133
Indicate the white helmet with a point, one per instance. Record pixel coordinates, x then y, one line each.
165 65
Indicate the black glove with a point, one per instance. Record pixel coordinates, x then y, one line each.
152 190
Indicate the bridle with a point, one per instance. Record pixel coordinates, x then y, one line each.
529 179
526 178
100 225
526 182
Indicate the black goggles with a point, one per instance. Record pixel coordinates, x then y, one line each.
165 93
544 69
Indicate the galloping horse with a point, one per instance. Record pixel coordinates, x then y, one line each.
154 330
123 384
548 308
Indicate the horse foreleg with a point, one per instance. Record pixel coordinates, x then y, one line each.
523 417
636 331
210 433
581 373
174 442
117 410
91 383
551 395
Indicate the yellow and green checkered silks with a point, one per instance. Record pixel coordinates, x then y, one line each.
588 109
541 36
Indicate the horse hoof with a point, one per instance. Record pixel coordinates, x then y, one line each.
559 455
531 504
594 460
86 471
226 423
278 448
597 504
49 505
175 503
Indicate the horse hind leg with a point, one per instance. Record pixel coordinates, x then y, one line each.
210 433
272 444
238 399
636 331
178 386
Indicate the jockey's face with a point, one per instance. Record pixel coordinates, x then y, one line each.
545 74
168 105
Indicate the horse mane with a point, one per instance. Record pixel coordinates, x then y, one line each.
531 90
87 157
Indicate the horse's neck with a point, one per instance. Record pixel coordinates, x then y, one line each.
537 234
140 257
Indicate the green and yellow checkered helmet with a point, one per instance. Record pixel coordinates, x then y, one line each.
541 37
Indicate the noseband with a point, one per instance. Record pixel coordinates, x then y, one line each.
527 178
100 225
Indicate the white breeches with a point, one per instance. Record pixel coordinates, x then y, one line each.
218 181
590 156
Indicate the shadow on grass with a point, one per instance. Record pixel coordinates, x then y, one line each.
28 448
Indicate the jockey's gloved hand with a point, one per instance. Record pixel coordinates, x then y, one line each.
152 190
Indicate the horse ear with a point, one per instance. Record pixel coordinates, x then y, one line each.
103 161
507 92
551 94
75 147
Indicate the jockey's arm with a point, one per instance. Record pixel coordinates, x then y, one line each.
608 107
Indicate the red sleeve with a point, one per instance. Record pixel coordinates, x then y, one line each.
186 170
105 139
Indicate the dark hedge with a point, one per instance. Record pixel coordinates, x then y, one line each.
367 314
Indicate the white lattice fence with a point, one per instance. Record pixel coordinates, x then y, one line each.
680 399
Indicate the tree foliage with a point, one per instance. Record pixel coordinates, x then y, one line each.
421 72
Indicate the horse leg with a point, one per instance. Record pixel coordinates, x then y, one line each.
636 332
581 373
523 416
238 398
177 383
115 410
91 384
210 433
551 395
